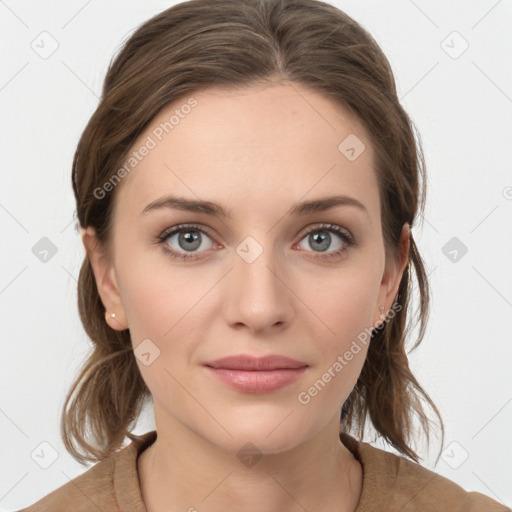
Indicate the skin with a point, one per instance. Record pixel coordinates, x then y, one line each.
257 152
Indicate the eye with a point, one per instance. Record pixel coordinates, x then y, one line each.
319 237
190 238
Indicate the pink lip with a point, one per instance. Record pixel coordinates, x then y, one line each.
256 375
246 362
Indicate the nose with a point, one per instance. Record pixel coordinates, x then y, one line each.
259 296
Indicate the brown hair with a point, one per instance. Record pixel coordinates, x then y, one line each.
231 43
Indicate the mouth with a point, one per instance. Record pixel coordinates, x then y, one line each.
251 374
252 363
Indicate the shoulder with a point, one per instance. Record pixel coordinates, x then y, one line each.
91 490
418 488
393 483
109 485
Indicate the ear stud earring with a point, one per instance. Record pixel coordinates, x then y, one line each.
112 315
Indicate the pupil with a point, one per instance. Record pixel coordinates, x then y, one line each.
322 237
190 237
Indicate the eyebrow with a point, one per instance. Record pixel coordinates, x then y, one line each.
215 209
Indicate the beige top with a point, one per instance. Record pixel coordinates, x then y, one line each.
391 483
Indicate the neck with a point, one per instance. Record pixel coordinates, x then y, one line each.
183 471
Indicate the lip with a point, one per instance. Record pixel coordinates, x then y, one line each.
256 374
252 363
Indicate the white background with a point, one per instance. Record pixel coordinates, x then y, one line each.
463 110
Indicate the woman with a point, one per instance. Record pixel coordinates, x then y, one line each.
246 191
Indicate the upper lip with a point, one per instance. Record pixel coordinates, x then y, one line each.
246 362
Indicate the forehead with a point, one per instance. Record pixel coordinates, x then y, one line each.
248 147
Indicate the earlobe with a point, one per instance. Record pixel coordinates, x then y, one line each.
114 322
393 275
106 282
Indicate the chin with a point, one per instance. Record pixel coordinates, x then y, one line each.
269 433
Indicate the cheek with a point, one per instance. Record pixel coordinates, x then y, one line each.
166 305
157 294
165 309
151 308
341 303
343 307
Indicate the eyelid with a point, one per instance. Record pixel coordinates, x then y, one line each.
302 233
186 225
344 234
328 227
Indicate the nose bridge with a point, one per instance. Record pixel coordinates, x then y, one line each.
259 292
256 262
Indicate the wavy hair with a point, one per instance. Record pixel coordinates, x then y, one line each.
232 43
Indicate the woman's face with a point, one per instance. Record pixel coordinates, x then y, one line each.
254 282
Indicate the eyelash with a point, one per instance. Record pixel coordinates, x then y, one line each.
348 240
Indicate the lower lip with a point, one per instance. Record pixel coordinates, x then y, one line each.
257 381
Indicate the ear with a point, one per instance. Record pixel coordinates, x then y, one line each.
392 276
105 276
